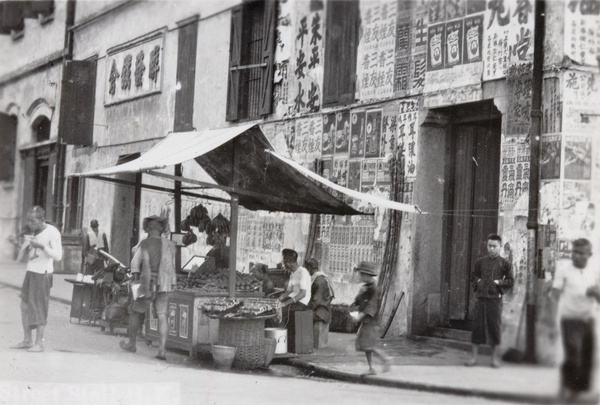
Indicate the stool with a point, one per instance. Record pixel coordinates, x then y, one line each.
300 332
321 334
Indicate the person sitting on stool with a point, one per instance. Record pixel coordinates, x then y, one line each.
297 294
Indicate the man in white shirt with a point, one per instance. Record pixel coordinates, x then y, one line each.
578 288
43 248
298 289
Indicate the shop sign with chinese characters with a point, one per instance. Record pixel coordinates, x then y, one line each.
508 35
134 70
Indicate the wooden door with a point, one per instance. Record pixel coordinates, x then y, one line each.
473 207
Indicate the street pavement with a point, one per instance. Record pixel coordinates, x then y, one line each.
86 363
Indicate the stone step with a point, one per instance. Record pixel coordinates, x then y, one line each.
449 333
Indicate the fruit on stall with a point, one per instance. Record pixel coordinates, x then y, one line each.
217 280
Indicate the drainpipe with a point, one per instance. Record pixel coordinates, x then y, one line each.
61 148
534 178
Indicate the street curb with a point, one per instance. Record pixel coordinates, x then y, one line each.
325 372
57 299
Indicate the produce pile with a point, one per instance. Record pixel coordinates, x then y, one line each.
249 308
217 230
221 305
217 280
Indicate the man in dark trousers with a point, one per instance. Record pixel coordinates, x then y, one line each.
491 276
574 290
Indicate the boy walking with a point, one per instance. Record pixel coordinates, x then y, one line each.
492 274
365 304
578 288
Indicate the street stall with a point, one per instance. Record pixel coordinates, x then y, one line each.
242 162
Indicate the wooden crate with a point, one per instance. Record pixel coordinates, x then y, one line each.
300 332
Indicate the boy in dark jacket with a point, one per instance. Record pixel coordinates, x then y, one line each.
492 274
365 304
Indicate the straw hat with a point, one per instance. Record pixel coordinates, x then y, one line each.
367 268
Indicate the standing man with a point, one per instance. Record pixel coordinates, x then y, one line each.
578 288
94 240
321 295
297 295
492 274
153 265
43 247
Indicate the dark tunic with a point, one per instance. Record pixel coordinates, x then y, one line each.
320 300
487 320
366 302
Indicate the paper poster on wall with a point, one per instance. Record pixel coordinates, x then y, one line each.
328 134
552 105
454 43
373 133
376 50
307 62
436 10
508 37
578 157
408 129
340 171
581 102
455 8
327 168
342 132
418 64
354 167
383 172
550 157
577 211
507 176
301 146
550 192
315 136
357 133
436 47
519 78
389 128
368 175
582 31
473 39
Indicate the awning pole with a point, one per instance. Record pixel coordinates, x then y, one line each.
234 219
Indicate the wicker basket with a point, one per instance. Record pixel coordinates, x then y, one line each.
248 336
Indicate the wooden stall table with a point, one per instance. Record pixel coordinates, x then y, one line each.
189 328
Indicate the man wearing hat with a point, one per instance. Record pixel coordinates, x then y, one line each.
366 309
153 265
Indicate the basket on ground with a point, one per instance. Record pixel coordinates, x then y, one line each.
223 356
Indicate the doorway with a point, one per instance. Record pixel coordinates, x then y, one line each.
471 204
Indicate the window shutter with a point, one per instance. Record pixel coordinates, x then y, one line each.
45 7
50 189
341 39
347 77
234 62
76 125
12 16
268 51
8 141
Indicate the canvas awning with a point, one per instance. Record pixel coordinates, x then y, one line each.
264 183
265 180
